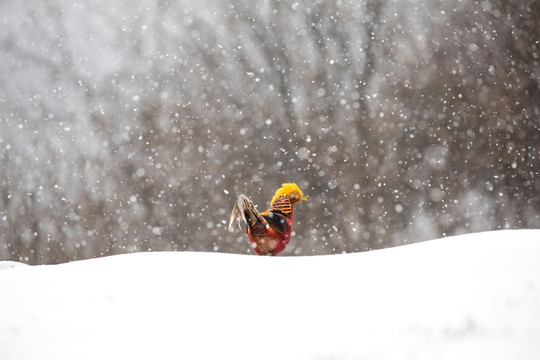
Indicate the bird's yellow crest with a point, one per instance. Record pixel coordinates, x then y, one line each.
286 189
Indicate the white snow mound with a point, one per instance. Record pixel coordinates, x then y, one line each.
474 296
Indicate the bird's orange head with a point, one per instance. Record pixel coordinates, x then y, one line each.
292 191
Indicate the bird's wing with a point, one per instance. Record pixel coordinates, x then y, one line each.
245 211
277 221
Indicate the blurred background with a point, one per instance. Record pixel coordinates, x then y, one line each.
133 125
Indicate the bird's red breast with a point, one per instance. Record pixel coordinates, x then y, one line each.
273 241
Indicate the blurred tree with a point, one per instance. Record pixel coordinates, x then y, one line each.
133 126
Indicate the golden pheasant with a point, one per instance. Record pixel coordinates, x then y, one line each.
269 232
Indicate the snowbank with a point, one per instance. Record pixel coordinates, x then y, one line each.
468 297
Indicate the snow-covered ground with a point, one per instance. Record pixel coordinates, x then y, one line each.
475 296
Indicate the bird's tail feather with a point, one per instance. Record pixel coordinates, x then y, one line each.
244 210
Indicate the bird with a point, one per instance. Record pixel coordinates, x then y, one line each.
269 232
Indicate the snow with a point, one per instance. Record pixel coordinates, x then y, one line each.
466 297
